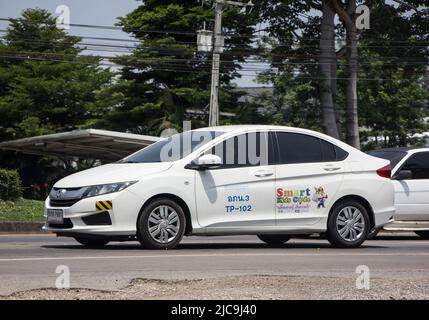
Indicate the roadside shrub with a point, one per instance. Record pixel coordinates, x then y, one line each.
10 185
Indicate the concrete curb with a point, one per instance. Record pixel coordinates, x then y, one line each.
21 227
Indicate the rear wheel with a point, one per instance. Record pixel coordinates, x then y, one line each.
423 234
274 239
92 242
161 224
348 224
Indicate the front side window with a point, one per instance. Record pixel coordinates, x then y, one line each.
418 164
302 148
249 149
173 148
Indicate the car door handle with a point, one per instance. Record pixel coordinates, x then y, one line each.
263 173
331 168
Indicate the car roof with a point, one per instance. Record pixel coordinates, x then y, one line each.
232 128
243 128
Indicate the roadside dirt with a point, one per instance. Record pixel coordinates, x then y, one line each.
246 287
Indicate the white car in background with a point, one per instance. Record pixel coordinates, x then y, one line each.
270 181
410 177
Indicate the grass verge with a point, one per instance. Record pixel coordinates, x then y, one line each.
21 210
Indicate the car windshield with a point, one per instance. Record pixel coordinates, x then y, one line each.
173 148
393 156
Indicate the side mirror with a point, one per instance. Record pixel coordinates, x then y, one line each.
207 161
403 175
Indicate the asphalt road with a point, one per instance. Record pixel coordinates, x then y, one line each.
30 261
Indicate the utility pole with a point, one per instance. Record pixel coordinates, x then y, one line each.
218 44
217 50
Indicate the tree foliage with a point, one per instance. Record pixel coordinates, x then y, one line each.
392 96
394 51
10 185
165 80
46 86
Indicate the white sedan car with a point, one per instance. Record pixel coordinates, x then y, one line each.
411 180
269 181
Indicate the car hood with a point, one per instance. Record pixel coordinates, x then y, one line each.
112 173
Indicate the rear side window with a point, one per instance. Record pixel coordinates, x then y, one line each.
340 153
418 164
328 151
301 148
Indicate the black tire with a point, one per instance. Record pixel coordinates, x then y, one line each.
274 239
333 234
372 235
92 242
423 234
143 225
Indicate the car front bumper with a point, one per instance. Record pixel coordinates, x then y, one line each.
84 218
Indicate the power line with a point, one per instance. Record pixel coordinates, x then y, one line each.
93 26
181 69
186 62
193 44
176 50
193 33
422 43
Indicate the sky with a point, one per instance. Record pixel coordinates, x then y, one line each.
94 12
97 12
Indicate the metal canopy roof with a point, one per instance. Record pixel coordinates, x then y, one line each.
85 144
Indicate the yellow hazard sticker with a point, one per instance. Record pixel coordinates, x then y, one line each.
104 205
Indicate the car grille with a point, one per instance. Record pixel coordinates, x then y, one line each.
65 197
63 203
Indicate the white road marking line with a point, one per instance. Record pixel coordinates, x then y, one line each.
213 255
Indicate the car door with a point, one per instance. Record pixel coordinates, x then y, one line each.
240 192
308 175
412 195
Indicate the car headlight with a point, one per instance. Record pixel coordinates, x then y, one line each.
93 191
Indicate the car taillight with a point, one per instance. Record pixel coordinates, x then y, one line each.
385 172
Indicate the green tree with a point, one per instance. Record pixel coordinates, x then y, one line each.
392 61
46 86
165 75
394 48
291 48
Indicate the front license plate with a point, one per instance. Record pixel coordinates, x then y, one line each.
55 216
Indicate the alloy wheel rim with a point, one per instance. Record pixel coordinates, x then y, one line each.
163 224
350 224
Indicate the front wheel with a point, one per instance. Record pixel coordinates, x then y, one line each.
161 224
92 242
274 239
423 234
348 224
